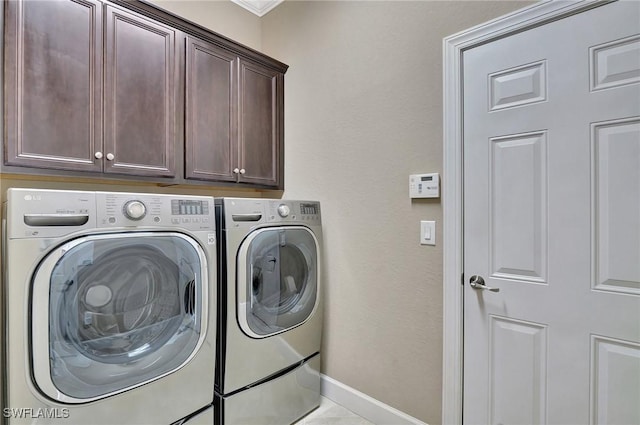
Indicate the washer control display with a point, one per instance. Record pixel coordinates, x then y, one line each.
309 209
189 207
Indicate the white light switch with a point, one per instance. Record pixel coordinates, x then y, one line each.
427 232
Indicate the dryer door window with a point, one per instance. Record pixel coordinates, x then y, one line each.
279 280
122 310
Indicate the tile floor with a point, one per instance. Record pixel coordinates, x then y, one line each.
330 413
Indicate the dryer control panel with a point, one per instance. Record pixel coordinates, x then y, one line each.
286 211
251 212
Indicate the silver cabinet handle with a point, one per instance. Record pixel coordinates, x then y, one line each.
98 155
110 156
242 171
477 282
236 170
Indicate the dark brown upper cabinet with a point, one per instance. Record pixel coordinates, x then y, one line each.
53 84
121 88
211 109
260 125
234 118
55 103
140 100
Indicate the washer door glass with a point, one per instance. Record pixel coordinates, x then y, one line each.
123 310
281 279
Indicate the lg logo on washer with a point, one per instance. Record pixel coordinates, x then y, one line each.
32 198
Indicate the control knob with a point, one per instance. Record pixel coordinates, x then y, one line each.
134 210
283 210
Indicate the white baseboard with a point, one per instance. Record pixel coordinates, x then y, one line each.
362 405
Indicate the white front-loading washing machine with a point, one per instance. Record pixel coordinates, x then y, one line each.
270 311
109 304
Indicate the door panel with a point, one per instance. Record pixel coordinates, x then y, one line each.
139 92
525 344
260 124
54 91
616 163
552 220
615 385
518 186
615 64
211 109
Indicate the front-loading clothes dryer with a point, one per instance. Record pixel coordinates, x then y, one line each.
109 307
270 311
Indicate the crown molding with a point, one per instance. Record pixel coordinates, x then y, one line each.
258 7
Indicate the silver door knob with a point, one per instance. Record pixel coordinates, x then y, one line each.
477 282
98 155
242 171
110 156
236 170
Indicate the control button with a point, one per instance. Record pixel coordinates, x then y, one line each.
156 219
283 210
134 210
112 220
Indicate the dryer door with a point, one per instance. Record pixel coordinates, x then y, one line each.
277 280
111 312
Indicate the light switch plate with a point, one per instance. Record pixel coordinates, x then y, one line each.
427 232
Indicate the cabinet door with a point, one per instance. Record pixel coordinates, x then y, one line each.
53 79
140 99
261 132
211 151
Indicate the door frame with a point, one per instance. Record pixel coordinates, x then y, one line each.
538 14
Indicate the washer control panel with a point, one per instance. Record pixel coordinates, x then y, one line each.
131 209
40 213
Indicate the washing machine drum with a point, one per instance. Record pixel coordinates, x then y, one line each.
122 311
131 291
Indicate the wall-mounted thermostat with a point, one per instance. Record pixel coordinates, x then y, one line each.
424 185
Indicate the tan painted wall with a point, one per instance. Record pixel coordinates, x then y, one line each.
363 110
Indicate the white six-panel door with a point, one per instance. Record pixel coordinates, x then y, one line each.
552 220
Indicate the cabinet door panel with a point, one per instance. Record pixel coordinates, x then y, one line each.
211 129
260 124
140 95
53 77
